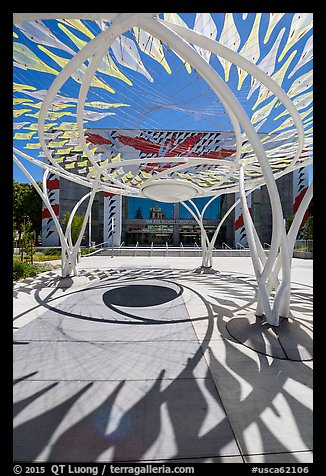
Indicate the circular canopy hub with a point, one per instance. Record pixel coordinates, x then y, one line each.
169 191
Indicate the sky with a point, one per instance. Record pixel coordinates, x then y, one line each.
162 94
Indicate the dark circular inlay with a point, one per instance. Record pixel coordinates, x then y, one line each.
139 295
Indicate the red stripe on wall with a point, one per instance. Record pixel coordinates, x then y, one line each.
46 213
53 184
298 199
296 204
240 222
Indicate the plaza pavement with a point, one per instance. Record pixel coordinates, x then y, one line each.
132 361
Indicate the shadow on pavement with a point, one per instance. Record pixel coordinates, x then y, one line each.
181 403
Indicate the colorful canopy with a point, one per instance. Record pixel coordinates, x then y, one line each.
148 114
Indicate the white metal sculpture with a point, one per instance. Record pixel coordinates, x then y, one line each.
252 164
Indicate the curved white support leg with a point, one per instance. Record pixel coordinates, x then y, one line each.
68 252
43 195
72 215
71 264
295 225
207 260
207 257
273 282
291 237
263 299
283 289
65 250
203 234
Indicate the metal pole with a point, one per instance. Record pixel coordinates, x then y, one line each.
90 229
112 228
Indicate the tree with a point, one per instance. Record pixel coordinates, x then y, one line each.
26 203
288 223
307 233
26 242
76 225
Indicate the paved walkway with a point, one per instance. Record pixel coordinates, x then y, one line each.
132 361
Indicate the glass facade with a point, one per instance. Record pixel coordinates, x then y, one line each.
148 222
213 211
139 208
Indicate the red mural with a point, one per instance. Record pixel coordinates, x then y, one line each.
188 147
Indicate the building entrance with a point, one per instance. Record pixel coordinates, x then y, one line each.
145 235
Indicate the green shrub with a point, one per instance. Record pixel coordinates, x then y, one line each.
52 251
23 270
41 258
85 251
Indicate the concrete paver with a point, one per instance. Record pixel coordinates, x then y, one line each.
157 376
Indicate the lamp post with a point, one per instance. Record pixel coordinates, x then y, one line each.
23 243
90 229
112 229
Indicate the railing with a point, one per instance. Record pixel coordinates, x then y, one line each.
121 246
191 250
310 245
304 245
135 251
105 244
97 247
100 245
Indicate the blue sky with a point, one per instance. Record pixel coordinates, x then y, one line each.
179 101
